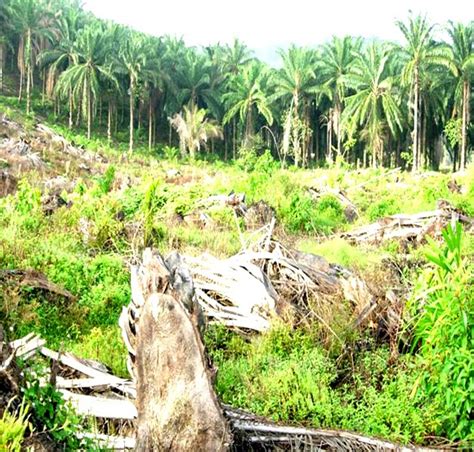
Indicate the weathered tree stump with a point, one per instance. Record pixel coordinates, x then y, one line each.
177 407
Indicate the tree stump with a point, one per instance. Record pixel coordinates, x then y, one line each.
177 407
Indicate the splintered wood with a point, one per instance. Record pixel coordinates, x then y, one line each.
409 227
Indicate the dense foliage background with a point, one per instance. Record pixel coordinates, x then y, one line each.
370 102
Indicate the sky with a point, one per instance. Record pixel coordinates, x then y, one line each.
266 25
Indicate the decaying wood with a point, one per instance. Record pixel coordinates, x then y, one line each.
177 406
102 407
409 227
35 280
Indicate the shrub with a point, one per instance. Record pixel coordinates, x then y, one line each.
444 333
303 214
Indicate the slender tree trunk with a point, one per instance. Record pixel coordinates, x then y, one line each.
2 57
226 129
28 89
415 123
43 94
130 146
109 122
28 74
234 138
465 121
150 125
71 107
89 109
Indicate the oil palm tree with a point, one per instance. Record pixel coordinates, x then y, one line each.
131 60
336 59
374 106
27 20
462 45
63 52
88 69
194 129
419 55
295 82
245 95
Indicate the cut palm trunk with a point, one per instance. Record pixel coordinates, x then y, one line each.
413 227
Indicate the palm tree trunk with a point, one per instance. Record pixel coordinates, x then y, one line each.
2 57
89 109
109 123
465 120
234 151
150 125
130 146
415 122
28 89
70 108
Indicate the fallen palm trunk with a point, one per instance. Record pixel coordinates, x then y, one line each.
409 227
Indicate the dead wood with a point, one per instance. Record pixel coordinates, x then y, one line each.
259 214
414 227
35 280
177 406
8 183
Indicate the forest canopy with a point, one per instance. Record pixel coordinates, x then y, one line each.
368 102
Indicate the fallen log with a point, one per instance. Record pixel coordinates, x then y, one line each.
35 280
250 432
409 227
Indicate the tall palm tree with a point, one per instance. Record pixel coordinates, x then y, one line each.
194 83
462 45
131 60
419 55
336 59
27 18
244 95
194 129
296 83
374 105
236 56
63 52
88 69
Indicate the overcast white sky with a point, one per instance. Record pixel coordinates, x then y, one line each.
265 25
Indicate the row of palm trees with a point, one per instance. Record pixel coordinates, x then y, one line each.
349 98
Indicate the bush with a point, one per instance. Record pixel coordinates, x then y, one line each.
303 214
444 333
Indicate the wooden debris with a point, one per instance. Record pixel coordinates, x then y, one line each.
102 407
108 442
259 214
35 280
409 227
8 183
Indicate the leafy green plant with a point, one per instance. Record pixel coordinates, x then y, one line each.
106 181
443 331
49 411
13 427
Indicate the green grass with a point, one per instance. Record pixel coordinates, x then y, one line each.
289 374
